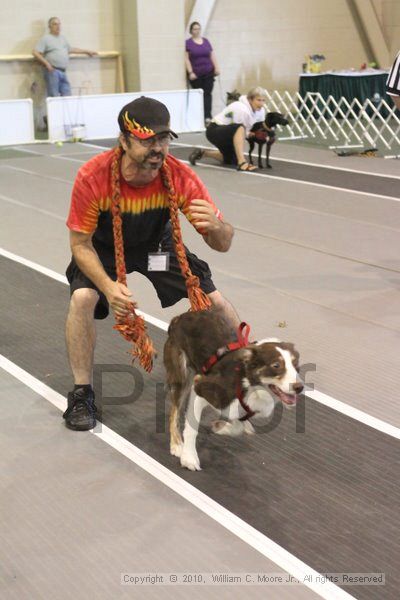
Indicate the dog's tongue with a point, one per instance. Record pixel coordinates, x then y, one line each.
288 399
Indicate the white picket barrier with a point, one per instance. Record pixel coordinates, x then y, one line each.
16 122
96 115
338 123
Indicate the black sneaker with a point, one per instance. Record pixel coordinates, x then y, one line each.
81 412
195 156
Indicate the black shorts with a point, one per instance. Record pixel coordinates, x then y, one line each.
169 285
221 136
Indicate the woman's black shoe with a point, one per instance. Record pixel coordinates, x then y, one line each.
195 156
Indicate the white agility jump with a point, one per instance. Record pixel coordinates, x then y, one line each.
338 122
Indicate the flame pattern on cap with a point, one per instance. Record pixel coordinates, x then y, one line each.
135 129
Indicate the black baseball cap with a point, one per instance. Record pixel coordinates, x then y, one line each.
144 118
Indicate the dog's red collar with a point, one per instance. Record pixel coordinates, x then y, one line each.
243 340
240 395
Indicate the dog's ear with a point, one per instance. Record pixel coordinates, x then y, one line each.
288 346
245 355
250 357
291 348
232 96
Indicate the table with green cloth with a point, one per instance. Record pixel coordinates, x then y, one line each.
367 84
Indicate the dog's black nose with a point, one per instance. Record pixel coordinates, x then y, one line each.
298 388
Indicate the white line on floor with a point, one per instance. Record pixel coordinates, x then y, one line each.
62 279
79 153
275 177
32 265
95 146
312 211
35 208
29 151
338 405
183 145
290 180
36 174
300 162
354 413
18 203
267 547
346 170
66 157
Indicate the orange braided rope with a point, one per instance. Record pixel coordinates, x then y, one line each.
132 327
198 299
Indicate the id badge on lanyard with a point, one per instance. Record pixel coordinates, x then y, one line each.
158 261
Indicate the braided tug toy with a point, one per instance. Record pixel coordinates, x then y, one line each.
132 327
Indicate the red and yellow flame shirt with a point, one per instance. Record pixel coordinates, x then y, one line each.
144 210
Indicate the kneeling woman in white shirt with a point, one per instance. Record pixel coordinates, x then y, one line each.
228 130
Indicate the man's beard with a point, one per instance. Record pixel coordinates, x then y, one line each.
153 155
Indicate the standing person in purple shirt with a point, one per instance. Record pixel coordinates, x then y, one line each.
201 66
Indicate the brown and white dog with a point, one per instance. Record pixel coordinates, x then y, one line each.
208 360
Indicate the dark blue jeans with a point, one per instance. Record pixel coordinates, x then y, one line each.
57 83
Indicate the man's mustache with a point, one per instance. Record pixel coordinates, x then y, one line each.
154 154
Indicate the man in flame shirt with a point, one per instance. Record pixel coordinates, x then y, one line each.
142 180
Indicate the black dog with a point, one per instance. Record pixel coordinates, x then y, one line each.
264 133
232 97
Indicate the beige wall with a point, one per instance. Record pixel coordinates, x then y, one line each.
92 24
129 43
257 41
388 12
149 34
161 34
152 38
265 42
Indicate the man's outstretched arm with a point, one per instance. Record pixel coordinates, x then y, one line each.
82 51
216 233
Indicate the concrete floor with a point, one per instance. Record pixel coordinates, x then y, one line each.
310 264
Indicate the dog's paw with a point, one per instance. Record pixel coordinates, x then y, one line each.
232 428
190 461
219 426
176 449
248 428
